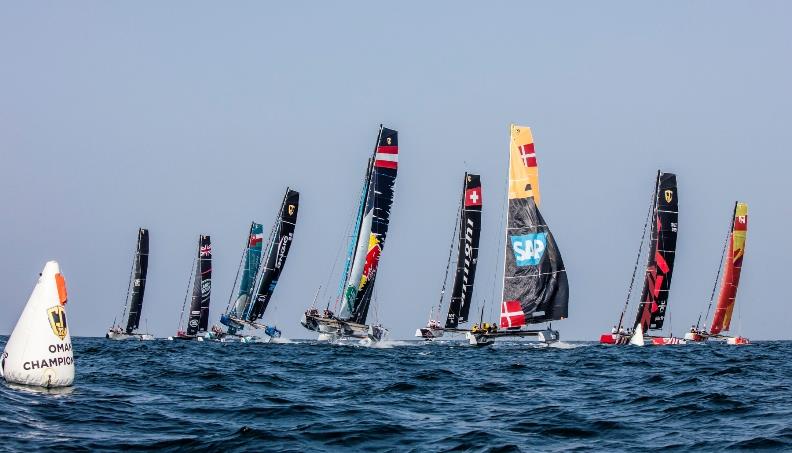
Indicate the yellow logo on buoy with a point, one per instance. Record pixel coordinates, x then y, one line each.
57 320
669 195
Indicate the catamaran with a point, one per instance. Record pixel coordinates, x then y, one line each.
368 239
201 278
466 246
535 286
731 263
244 313
134 300
663 215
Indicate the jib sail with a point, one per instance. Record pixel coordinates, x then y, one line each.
138 282
467 255
372 227
250 269
202 288
535 287
732 267
277 252
660 265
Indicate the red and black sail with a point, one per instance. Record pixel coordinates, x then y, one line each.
660 265
467 257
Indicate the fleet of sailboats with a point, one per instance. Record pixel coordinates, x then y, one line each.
534 292
366 243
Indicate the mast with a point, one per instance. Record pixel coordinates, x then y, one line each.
373 228
138 281
277 252
721 319
660 262
535 287
202 288
637 261
467 255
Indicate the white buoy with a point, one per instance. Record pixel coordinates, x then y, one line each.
39 350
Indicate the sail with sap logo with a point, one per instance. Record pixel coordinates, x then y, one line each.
535 287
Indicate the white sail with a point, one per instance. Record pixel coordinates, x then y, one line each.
637 338
356 273
39 350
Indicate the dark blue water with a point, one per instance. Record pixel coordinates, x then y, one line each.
411 396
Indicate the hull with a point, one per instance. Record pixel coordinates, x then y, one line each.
667 341
428 333
121 336
336 329
737 341
695 337
185 337
614 339
485 338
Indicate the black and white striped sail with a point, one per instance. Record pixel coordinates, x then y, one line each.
467 251
198 319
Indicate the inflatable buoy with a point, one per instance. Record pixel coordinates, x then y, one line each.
39 350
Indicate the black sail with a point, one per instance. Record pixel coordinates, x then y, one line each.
277 253
384 167
660 265
202 288
534 274
138 283
467 257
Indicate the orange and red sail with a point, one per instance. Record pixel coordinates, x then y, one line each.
721 320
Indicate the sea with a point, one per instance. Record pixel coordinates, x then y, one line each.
408 396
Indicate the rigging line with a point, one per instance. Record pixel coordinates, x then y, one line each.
502 226
637 263
181 316
129 284
236 278
717 275
346 237
451 249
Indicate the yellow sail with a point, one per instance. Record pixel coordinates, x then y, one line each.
523 171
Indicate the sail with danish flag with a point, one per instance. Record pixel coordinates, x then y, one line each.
535 286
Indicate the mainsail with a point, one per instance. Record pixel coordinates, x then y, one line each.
251 266
202 288
660 265
371 228
277 251
138 281
467 252
535 287
721 319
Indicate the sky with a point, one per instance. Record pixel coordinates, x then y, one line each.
192 117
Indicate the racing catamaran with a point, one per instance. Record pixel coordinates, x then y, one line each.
133 305
247 310
651 314
535 286
365 247
731 261
467 246
201 278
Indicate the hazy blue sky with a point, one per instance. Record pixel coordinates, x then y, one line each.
193 117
